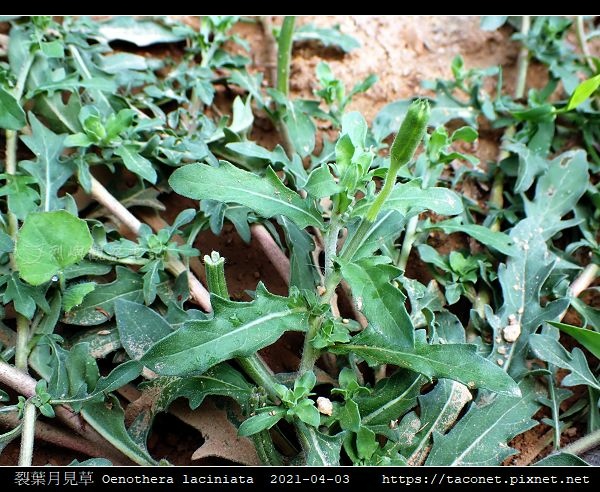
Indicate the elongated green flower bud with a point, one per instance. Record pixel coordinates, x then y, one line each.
406 142
409 136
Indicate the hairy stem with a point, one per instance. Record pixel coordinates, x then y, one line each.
255 367
309 353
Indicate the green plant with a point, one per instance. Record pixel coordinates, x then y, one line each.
443 373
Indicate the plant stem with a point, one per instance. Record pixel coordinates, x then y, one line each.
284 43
25 385
27 434
581 40
59 437
215 274
265 449
356 241
496 197
407 243
21 349
382 196
330 244
108 201
309 353
584 444
584 280
255 367
280 261
523 59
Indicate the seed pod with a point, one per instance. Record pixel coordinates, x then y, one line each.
409 136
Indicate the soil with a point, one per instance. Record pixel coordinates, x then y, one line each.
402 51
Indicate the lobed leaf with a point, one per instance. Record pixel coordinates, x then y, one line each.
268 196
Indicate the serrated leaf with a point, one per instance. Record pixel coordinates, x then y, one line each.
74 372
98 306
521 279
379 300
588 338
303 273
530 165
494 239
151 279
386 227
12 116
221 380
48 170
558 191
390 399
307 413
440 409
321 184
268 196
108 419
459 362
480 438
136 163
139 327
237 329
48 242
24 297
410 199
74 294
320 449
550 350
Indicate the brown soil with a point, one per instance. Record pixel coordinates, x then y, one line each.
402 51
